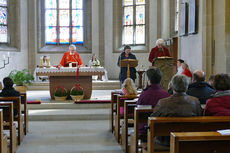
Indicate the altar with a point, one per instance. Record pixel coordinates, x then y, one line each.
66 77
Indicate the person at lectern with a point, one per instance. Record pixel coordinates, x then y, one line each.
126 54
71 58
158 51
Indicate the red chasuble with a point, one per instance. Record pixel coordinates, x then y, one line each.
71 58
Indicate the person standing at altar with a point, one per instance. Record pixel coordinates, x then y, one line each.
71 58
158 51
126 54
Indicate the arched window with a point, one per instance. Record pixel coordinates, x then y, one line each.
3 21
134 23
64 22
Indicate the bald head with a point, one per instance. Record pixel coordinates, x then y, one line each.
198 76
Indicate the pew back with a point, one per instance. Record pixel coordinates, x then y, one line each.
17 105
199 142
162 126
129 106
140 119
8 119
120 103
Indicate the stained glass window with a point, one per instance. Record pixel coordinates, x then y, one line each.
64 22
3 21
133 22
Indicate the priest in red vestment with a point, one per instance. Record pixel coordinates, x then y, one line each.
71 58
158 51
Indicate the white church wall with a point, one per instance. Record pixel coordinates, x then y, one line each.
19 58
190 47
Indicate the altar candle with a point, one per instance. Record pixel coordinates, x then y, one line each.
48 61
41 61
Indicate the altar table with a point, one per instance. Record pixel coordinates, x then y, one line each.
66 78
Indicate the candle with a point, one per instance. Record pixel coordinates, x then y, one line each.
41 61
48 61
4 57
8 54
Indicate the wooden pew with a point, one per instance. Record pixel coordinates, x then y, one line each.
25 112
114 95
162 126
3 137
199 142
17 105
129 106
141 115
8 119
118 118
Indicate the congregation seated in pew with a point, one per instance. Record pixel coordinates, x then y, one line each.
153 92
199 88
128 88
8 90
219 103
178 105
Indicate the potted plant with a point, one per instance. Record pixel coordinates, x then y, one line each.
77 93
60 94
21 79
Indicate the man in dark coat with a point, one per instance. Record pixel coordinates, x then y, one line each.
9 91
126 54
199 88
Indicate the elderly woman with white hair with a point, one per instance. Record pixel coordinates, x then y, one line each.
158 51
71 58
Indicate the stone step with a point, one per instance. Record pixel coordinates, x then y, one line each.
68 114
97 85
70 105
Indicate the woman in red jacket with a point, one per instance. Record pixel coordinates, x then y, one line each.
186 71
219 103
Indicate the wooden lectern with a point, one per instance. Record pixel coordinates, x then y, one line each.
128 63
165 64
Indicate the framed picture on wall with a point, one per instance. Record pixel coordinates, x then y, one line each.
183 28
193 17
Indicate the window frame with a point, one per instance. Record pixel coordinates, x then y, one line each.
134 25
85 47
6 25
13 28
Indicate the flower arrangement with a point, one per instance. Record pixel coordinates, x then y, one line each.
77 92
60 93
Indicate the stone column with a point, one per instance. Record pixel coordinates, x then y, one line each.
165 21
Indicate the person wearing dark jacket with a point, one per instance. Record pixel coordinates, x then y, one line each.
178 105
219 103
9 91
126 54
199 88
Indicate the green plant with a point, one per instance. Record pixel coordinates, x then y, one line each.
60 92
77 90
21 78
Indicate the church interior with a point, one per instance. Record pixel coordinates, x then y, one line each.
196 31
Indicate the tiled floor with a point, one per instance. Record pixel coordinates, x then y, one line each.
73 129
69 137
